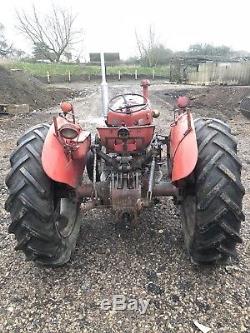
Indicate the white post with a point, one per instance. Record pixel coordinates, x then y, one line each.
69 77
104 88
119 75
136 75
153 74
48 77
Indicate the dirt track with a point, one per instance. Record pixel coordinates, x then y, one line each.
148 262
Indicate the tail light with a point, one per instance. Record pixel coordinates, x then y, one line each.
69 131
66 107
182 102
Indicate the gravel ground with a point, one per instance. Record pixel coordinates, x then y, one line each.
148 262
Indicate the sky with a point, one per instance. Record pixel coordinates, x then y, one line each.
110 25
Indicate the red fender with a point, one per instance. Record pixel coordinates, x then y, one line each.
56 163
183 147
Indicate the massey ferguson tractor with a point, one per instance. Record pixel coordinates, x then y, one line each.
128 165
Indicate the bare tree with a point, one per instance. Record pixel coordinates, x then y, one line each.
5 48
147 47
51 34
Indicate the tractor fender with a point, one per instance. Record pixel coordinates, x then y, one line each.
183 146
57 165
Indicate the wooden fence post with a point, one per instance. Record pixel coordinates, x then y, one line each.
48 77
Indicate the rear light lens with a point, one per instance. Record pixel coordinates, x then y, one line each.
66 107
182 101
69 131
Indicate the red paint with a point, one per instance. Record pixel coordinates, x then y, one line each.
138 118
57 164
139 138
183 148
145 84
66 107
182 101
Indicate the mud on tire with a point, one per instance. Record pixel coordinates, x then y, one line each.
36 205
212 205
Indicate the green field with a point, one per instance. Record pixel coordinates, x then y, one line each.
41 69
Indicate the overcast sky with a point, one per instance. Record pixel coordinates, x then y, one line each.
110 24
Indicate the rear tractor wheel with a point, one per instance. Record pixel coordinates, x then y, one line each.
44 221
212 200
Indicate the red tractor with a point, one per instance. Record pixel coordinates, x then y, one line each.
127 169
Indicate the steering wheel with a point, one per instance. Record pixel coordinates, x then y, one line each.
127 104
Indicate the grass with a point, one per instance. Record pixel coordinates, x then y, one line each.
41 69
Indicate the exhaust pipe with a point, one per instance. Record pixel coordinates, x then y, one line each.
104 89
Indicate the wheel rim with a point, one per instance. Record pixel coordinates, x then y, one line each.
66 218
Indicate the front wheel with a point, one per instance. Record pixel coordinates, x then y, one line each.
43 219
212 200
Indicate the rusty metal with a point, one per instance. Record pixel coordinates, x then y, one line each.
125 199
125 194
189 119
165 189
127 189
151 179
94 173
145 84
55 125
85 191
88 191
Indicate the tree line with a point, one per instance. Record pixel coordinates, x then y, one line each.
54 35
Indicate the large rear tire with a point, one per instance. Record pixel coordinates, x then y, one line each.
212 198
44 221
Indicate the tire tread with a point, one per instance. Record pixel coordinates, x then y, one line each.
219 194
31 202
